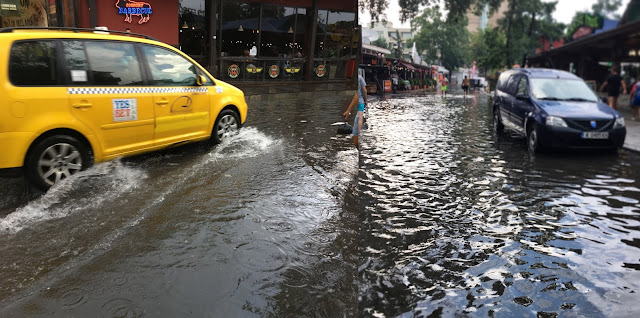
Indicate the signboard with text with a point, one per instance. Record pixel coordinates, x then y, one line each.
130 8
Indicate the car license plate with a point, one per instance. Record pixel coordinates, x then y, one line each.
595 135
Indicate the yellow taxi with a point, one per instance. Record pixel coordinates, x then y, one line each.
70 97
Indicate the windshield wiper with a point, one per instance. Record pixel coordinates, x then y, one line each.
550 98
579 99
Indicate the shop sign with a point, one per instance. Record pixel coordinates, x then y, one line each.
320 70
234 71
253 69
274 71
131 8
9 7
19 13
387 85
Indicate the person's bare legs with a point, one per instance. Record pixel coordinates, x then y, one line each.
613 101
360 120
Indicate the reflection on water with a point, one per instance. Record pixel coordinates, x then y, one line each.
434 216
458 222
264 224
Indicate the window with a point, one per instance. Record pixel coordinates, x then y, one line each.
561 89
192 33
277 36
523 88
113 63
33 63
502 82
321 31
240 28
170 69
339 34
511 84
76 60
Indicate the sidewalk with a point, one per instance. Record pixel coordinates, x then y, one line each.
632 141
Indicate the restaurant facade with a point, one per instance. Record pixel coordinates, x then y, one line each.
252 41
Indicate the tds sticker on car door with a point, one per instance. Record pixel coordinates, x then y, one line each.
125 109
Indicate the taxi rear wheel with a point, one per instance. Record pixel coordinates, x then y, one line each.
227 124
54 159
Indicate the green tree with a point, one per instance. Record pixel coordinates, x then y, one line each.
410 8
487 49
380 42
524 24
607 8
435 34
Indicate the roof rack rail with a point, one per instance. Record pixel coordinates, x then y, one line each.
7 30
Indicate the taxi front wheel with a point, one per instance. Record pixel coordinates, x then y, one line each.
227 124
54 159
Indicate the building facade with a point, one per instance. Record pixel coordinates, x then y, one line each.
392 36
266 41
485 19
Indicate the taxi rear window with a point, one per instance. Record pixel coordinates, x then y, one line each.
33 63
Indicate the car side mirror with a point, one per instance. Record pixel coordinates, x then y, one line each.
604 99
521 96
201 80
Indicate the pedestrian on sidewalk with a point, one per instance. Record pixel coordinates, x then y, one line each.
613 84
634 100
360 98
465 86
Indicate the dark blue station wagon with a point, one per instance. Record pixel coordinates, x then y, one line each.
555 109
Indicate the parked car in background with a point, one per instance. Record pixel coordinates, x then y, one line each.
555 109
72 97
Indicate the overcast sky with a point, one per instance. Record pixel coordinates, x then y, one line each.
565 10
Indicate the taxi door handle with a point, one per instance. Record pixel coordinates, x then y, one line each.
82 105
162 102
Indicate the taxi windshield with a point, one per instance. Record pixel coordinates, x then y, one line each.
561 90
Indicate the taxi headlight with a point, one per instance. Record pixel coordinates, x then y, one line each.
619 122
555 121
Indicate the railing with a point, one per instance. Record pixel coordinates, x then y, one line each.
283 69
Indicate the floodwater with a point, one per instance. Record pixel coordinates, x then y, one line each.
434 216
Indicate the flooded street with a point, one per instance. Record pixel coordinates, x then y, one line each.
434 216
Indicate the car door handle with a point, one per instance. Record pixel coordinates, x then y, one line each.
162 102
82 105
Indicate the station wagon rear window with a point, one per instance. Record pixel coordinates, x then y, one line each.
33 63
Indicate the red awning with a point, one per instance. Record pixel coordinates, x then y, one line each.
408 66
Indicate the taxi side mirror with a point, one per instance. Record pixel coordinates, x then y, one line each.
201 80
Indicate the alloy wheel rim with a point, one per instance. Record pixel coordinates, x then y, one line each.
59 162
227 126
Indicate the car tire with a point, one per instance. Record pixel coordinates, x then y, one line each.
227 124
54 159
498 126
533 139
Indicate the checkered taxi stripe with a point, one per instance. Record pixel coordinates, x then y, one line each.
134 90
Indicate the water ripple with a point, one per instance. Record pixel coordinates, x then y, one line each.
460 223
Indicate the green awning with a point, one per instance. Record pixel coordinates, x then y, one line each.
10 8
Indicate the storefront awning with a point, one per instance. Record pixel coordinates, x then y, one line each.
375 49
408 66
